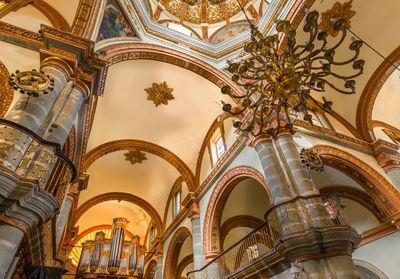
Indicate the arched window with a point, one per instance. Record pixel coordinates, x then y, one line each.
217 144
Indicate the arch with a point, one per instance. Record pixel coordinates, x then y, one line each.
171 260
382 191
149 147
56 19
216 124
219 196
156 219
370 92
365 268
236 222
358 196
184 263
133 51
377 123
150 270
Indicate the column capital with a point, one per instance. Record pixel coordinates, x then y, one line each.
190 202
84 65
256 140
386 154
210 256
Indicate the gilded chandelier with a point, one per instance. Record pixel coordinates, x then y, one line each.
280 74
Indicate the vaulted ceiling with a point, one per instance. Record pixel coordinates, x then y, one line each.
179 128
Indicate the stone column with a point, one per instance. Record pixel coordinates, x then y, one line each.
198 258
9 242
65 119
278 182
159 273
62 220
300 220
29 112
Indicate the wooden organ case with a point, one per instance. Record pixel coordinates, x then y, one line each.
116 257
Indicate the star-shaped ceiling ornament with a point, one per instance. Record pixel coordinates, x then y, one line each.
337 12
135 156
159 93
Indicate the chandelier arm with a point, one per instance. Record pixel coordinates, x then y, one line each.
319 105
345 77
339 42
338 89
316 89
337 63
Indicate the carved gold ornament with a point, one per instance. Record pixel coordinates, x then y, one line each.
311 160
135 156
338 11
33 83
6 91
159 93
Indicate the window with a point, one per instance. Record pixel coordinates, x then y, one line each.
317 120
220 147
152 233
177 203
217 145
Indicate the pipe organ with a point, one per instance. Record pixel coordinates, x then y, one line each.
112 258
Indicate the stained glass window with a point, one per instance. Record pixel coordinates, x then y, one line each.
330 209
2 4
252 252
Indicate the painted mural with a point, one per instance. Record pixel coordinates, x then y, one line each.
228 32
114 23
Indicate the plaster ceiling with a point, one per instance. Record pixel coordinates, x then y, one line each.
103 214
27 17
247 198
332 177
66 8
387 103
125 113
377 25
151 180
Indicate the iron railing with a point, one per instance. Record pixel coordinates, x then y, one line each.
294 216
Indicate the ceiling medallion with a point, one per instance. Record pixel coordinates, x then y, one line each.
135 156
280 74
33 83
159 93
311 160
338 11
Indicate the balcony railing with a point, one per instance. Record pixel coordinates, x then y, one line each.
294 216
29 156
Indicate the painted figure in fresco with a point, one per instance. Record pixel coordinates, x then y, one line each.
114 23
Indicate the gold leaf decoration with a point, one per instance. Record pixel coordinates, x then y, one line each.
135 156
338 11
159 93
6 91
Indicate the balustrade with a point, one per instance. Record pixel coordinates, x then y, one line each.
283 220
